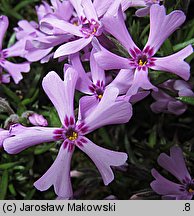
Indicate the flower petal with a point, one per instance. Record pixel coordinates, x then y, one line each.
142 12
103 159
78 8
174 163
162 25
97 72
56 26
89 10
15 70
101 7
115 25
108 61
175 63
86 105
72 47
163 186
4 22
123 80
37 54
18 49
3 135
140 80
139 96
177 107
83 81
61 93
23 137
58 175
60 7
109 111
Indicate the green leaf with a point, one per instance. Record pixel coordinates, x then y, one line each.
105 136
119 47
30 194
12 189
43 148
3 185
182 45
11 40
152 140
187 100
30 100
167 48
6 166
23 4
10 94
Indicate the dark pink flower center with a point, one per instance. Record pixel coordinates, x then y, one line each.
71 134
89 27
190 187
98 89
141 59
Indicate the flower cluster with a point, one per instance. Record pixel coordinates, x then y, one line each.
79 31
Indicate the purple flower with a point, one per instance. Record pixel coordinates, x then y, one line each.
84 26
61 9
14 70
3 135
26 33
37 44
37 120
146 10
175 165
125 4
95 83
72 133
168 104
161 26
4 78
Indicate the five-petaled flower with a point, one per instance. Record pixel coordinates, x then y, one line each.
161 27
175 165
72 133
13 69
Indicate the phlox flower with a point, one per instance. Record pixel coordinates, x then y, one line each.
56 9
37 119
125 4
4 78
3 135
168 104
72 133
175 165
161 27
37 44
146 8
95 83
13 69
84 26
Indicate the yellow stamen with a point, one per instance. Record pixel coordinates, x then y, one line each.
100 96
141 63
191 190
75 23
74 136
